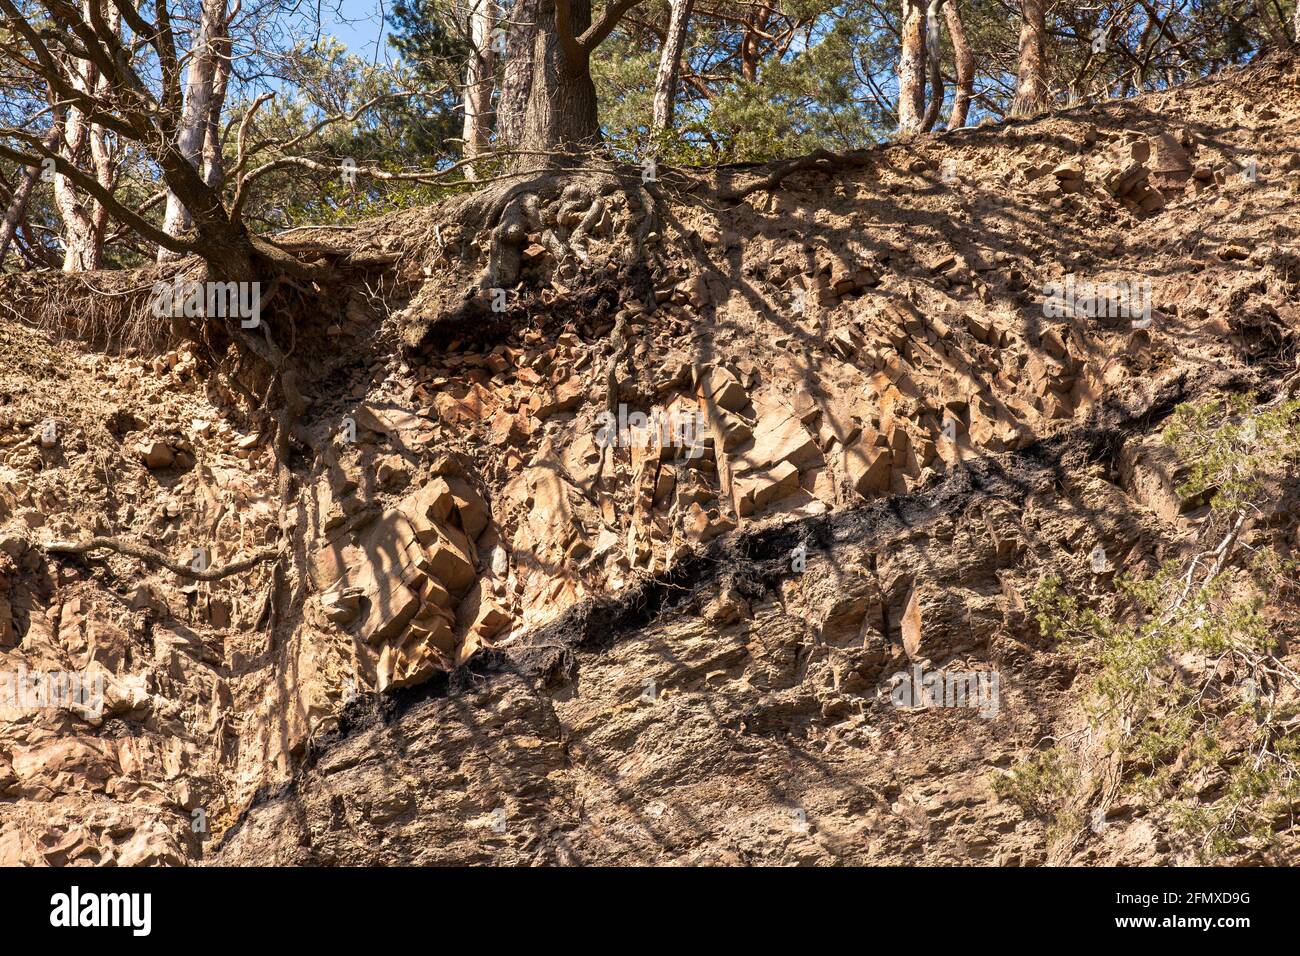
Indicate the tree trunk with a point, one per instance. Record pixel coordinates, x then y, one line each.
749 51
911 69
670 63
214 172
1031 80
1297 24
101 158
517 76
81 253
561 115
965 63
479 72
225 244
200 80
84 219
22 194
933 57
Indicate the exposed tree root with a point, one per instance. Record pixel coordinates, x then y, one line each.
618 347
589 226
157 558
822 161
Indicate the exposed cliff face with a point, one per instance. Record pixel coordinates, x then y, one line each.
731 712
502 628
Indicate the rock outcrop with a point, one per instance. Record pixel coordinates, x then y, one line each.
637 570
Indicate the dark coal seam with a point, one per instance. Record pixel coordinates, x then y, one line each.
598 623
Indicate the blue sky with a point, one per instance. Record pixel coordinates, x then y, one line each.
359 24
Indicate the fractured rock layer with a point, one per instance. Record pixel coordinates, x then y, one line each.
632 571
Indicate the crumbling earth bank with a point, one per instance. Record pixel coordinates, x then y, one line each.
481 634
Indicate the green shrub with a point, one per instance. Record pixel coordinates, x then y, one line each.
1163 727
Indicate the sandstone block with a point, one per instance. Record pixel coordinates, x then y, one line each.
779 439
471 509
869 467
755 490
913 626
342 606
490 620
448 561
430 504
1068 170
704 525
733 429
386 611
731 395
157 454
565 397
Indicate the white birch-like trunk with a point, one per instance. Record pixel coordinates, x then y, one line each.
196 115
479 79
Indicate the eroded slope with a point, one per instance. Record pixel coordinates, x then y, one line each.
488 638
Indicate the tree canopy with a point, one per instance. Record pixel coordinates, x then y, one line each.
130 132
